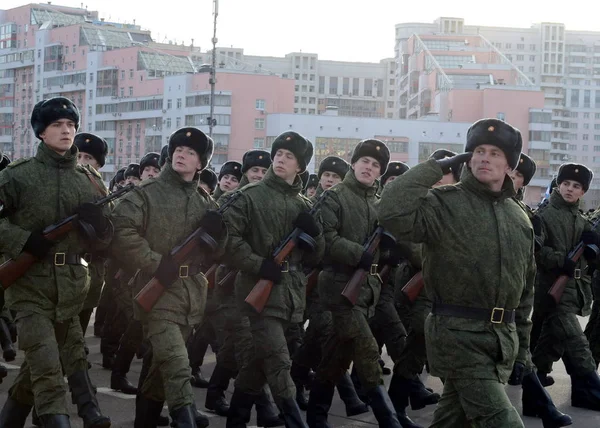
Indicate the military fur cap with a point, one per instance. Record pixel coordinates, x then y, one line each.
133 170
208 177
232 168
526 167
254 158
575 172
120 175
51 110
92 145
394 169
375 149
164 154
194 139
4 161
313 181
333 164
497 133
295 143
150 159
440 154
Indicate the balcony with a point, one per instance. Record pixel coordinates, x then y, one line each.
540 145
550 95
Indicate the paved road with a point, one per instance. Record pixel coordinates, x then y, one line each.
121 407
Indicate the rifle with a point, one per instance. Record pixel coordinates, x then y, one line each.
352 289
413 287
558 288
210 275
259 295
13 269
153 290
230 276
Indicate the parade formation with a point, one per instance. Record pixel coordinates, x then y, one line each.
295 280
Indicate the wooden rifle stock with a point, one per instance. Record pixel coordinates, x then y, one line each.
413 288
311 280
210 275
352 289
13 269
558 287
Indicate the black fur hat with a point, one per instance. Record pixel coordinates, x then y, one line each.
4 161
333 164
575 172
164 154
93 145
195 139
313 181
208 177
150 159
133 170
254 158
394 169
49 111
497 133
375 149
440 154
295 143
232 168
527 167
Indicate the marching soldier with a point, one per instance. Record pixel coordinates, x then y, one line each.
145 232
478 248
149 166
132 174
229 178
208 181
310 188
35 192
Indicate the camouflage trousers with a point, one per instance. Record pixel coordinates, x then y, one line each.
592 331
320 327
350 340
270 362
475 403
169 374
233 337
562 337
387 327
414 355
46 345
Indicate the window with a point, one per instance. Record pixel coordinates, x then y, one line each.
532 69
572 147
131 91
390 104
520 57
131 73
122 74
596 137
531 57
584 148
91 94
586 137
596 125
179 102
520 46
89 110
597 148
169 104
333 84
574 97
586 115
597 115
259 143
531 47
368 87
586 126
259 104
168 123
573 125
178 123
321 84
91 77
390 115
508 46
355 86
346 86
259 123
587 95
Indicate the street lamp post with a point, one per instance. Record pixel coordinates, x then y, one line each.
213 71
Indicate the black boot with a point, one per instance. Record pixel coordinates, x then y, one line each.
300 376
184 417
120 368
108 360
383 409
291 414
421 396
240 409
348 395
215 394
385 370
14 414
201 419
85 399
545 380
267 413
55 421
399 392
585 391
8 350
537 402
147 412
197 379
319 403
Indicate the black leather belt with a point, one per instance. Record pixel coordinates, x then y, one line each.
495 315
349 270
61 259
189 270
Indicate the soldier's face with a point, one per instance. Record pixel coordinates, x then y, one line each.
150 172
256 173
285 165
489 166
517 179
132 179
446 179
367 170
571 191
87 159
186 162
228 182
59 135
329 179
205 187
311 191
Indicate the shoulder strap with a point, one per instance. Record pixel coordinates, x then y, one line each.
93 180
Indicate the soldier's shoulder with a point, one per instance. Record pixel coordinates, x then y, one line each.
18 163
88 170
150 183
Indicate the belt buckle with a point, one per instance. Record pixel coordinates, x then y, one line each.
285 266
577 274
493 318
58 256
184 271
87 257
374 269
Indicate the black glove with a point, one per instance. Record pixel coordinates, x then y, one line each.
516 377
212 223
568 267
270 270
391 258
366 261
537 225
167 272
37 245
92 214
589 237
450 164
307 223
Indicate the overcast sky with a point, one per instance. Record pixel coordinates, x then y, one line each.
330 28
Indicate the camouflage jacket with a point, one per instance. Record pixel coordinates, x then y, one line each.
35 193
478 251
258 222
349 218
151 220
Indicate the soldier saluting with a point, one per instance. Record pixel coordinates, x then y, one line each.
479 269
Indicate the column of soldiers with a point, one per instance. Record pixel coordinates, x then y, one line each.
486 260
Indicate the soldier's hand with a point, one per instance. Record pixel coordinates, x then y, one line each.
167 272
270 270
568 267
450 164
308 224
391 258
516 377
366 261
93 215
589 237
37 245
212 223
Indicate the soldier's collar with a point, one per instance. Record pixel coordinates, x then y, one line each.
469 181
